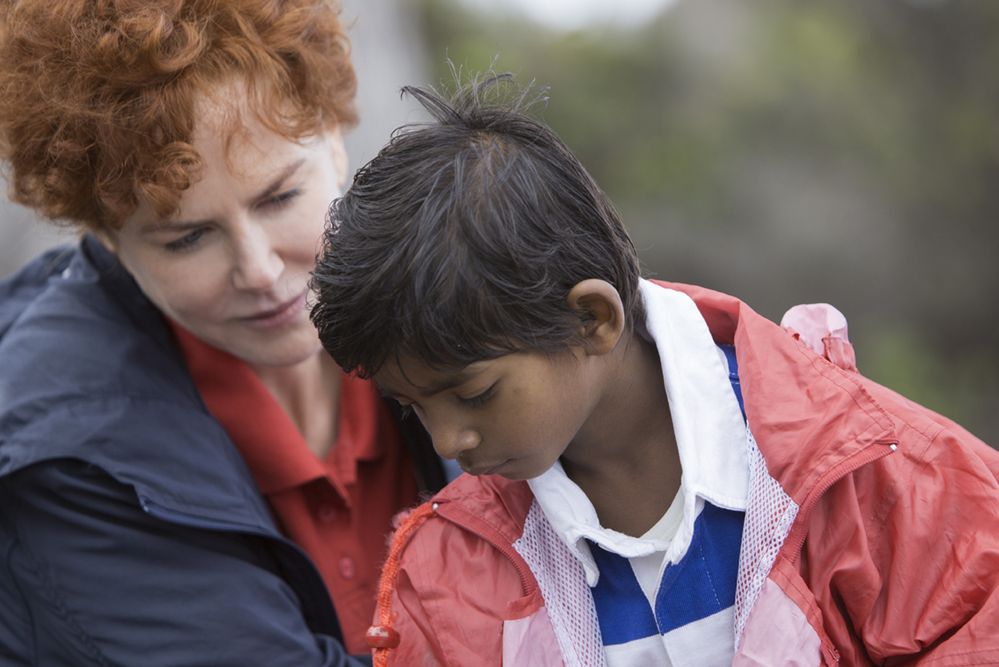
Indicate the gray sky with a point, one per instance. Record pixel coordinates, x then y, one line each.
572 14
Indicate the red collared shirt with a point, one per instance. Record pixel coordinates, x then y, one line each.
337 509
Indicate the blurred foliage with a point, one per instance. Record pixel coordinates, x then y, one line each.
795 152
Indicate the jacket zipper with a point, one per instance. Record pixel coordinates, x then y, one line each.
195 521
879 450
502 545
317 601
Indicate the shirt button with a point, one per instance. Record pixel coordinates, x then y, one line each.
326 513
347 569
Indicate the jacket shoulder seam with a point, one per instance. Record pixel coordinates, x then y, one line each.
52 594
8 557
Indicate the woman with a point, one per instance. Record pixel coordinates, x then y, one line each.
185 478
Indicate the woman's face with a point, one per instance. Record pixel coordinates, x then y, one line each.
232 265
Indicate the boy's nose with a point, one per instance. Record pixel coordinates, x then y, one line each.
451 445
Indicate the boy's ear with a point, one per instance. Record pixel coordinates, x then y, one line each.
601 313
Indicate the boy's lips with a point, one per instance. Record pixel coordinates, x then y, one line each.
488 469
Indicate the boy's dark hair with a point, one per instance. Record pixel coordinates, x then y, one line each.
461 240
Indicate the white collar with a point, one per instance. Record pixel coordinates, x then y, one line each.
710 435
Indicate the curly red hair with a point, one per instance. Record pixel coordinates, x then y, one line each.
98 98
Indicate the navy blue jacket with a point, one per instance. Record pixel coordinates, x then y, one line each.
131 532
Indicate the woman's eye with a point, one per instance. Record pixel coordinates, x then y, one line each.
479 399
279 200
187 241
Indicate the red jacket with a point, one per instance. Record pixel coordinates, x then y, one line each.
871 535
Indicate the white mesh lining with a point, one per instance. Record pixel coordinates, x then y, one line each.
563 586
769 515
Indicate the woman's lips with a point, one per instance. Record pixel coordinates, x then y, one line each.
274 317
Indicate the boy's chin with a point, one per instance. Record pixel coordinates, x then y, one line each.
515 470
521 473
508 469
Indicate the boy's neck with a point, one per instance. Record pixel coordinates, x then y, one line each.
626 459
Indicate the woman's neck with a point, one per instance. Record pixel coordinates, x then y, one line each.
309 393
627 461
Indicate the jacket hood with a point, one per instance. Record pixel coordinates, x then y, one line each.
493 501
20 289
90 372
806 414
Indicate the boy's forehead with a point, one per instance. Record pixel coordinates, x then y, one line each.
408 375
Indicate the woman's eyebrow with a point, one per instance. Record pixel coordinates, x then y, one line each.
275 184
184 225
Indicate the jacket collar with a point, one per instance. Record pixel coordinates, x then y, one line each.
806 414
90 372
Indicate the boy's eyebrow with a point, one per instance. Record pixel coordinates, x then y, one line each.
449 382
444 385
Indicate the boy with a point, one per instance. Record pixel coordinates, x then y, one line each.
621 509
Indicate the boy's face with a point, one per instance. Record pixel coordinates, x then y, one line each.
512 416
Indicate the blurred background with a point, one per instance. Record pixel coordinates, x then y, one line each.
781 151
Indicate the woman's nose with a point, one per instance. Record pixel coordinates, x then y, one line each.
258 264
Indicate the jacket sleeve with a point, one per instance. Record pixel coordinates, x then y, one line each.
945 576
449 599
916 557
419 644
91 579
925 588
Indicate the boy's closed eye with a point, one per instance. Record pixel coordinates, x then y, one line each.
474 401
481 398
